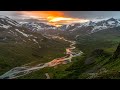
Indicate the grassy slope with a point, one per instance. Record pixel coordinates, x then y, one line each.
97 69
12 55
79 70
105 40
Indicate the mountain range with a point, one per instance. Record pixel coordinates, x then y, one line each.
95 26
24 41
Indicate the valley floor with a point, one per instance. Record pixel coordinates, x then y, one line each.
26 69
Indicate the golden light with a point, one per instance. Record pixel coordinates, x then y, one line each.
56 18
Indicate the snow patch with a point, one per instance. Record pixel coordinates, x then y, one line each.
23 22
72 29
24 34
111 22
30 35
98 28
77 36
10 22
67 26
5 26
35 40
11 31
35 37
24 41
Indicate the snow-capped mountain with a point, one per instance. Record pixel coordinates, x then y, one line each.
95 25
36 25
13 31
6 22
25 28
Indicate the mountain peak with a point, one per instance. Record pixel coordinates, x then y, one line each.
111 19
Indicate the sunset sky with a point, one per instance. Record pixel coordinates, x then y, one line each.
58 18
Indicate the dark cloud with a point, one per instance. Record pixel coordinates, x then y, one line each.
76 14
92 14
89 15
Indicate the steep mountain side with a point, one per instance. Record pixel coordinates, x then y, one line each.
73 31
101 39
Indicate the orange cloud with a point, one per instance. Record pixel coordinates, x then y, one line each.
53 17
43 13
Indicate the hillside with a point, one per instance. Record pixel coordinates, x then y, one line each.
99 61
105 39
20 46
98 65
